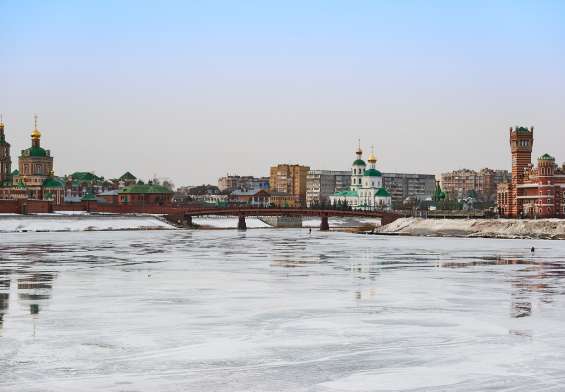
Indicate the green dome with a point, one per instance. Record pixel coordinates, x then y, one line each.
359 162
546 157
52 182
34 152
372 173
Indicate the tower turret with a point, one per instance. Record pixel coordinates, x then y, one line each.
357 169
5 160
521 144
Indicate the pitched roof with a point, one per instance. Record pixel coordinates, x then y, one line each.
128 176
346 193
85 176
144 188
382 192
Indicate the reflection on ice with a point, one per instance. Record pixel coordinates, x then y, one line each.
271 310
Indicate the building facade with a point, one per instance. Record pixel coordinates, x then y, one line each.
534 191
405 185
321 184
34 178
5 159
366 190
145 195
242 183
462 183
289 179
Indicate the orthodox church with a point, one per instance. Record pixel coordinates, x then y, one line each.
34 178
366 191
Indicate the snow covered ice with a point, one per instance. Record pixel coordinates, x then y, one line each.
279 310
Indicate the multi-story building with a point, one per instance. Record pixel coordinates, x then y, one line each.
404 185
289 179
462 183
534 191
320 184
242 183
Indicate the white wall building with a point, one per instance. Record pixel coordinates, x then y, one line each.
366 191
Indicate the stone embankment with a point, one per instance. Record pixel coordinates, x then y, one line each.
489 228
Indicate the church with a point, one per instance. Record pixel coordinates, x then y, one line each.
34 177
366 191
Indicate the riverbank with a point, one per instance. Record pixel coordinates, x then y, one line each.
487 228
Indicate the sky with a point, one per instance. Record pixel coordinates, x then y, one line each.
193 90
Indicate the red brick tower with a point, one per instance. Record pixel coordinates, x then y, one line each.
5 161
548 202
521 142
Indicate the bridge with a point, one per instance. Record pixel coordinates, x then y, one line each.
185 214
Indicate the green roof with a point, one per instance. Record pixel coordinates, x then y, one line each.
85 176
53 182
359 162
372 173
35 152
15 173
144 188
346 193
128 176
88 197
546 157
382 192
522 129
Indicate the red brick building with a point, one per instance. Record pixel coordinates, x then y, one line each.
534 192
145 195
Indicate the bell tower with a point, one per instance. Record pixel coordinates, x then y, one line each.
521 143
5 160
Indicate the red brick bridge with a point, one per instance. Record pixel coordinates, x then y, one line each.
184 214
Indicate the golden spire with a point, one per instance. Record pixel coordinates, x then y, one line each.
372 157
35 134
359 151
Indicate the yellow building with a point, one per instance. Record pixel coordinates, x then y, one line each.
289 179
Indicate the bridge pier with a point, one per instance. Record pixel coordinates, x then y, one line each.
324 224
188 220
241 225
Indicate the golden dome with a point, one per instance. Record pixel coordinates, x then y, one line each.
372 157
36 134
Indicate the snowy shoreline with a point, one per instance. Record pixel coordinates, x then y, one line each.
473 228
12 223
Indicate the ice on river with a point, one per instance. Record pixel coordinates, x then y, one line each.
79 222
279 310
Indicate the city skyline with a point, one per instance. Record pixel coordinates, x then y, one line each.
160 90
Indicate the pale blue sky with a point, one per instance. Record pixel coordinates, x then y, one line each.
192 90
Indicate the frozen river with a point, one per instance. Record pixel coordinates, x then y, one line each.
279 310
